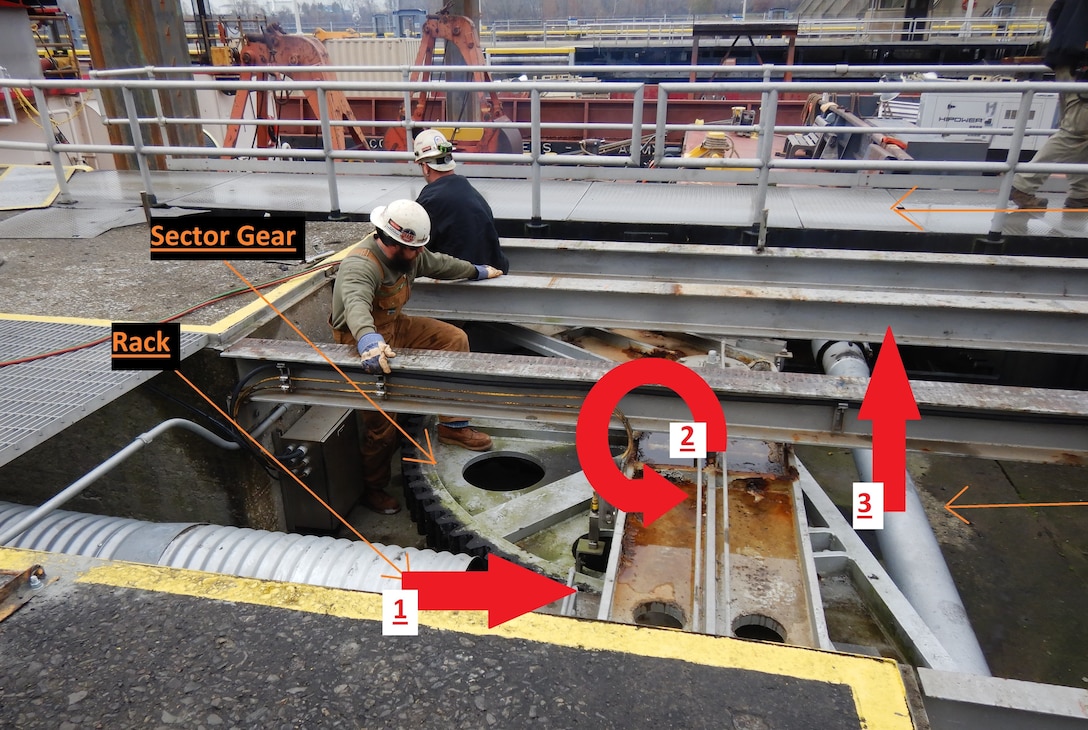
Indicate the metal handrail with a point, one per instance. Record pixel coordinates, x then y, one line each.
1024 28
530 163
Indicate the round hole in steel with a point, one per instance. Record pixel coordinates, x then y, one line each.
759 627
503 471
660 613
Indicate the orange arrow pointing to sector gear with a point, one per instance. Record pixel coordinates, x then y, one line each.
899 210
948 506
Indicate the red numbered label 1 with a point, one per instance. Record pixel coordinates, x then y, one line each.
868 506
687 440
400 613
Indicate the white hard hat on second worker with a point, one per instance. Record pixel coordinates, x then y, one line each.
404 221
434 149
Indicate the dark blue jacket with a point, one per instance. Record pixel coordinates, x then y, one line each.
462 224
1069 34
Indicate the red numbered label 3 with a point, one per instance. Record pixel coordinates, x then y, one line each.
687 440
868 506
400 613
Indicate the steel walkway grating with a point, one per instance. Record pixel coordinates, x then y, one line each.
39 399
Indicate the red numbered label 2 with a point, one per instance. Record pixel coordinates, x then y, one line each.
687 440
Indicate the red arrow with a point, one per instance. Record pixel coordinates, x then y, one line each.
889 404
505 590
653 495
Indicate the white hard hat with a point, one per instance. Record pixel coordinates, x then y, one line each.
405 221
434 149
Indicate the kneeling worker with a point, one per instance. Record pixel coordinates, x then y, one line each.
372 286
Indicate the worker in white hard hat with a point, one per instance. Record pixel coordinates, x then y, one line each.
372 286
462 223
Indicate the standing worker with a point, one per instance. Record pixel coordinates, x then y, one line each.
462 223
372 286
1066 54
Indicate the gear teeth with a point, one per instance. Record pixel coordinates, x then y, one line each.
443 530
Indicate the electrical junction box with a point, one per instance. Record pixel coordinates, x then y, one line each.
975 114
331 467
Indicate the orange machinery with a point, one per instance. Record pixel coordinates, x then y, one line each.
275 48
461 33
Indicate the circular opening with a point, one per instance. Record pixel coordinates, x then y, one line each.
657 613
503 471
759 627
597 563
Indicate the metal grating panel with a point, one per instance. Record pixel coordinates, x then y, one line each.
69 222
255 191
559 199
727 205
39 399
28 186
789 207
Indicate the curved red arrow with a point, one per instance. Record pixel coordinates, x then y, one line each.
889 404
505 590
653 495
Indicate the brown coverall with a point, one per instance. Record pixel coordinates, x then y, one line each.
399 330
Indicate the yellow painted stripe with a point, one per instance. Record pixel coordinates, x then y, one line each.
876 684
52 194
58 320
49 319
257 305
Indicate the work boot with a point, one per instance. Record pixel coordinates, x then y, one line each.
376 500
466 437
1077 204
1026 200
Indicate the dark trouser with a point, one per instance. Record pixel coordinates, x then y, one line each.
380 439
1068 144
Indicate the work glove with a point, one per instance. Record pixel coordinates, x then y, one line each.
375 353
486 272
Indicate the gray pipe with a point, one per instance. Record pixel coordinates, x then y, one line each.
909 548
308 559
105 467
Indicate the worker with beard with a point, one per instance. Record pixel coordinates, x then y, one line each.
372 286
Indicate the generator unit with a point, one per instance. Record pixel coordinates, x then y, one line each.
325 442
975 114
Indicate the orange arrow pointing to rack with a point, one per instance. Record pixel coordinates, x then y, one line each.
948 506
899 210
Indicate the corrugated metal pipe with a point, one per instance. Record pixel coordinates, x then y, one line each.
309 559
908 546
106 466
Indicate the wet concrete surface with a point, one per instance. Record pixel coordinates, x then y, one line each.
1022 573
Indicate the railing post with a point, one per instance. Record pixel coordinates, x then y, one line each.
1001 205
660 124
766 152
138 143
157 99
50 143
409 137
330 163
535 225
636 128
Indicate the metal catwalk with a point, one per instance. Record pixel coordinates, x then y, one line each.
104 198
